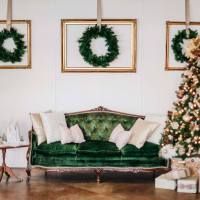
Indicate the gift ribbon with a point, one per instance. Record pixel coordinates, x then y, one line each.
187 16
99 13
178 173
189 187
9 15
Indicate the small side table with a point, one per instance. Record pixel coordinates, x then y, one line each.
4 169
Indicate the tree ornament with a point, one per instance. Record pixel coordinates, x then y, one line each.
181 150
180 94
185 97
15 54
188 140
198 91
191 106
188 73
175 125
111 43
170 137
168 151
186 118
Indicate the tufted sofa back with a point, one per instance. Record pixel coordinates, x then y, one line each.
98 125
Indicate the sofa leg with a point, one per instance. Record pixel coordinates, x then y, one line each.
98 173
45 173
154 174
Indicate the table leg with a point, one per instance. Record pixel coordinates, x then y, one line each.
1 173
7 170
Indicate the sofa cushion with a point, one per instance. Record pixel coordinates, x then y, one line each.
148 150
98 148
57 148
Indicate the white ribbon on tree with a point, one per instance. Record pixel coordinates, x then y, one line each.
9 15
99 13
187 16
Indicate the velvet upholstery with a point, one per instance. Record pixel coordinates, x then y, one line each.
98 148
149 149
98 126
56 149
96 151
88 161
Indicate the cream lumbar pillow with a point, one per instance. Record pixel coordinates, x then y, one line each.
115 133
122 139
38 127
65 133
51 123
77 134
141 131
157 134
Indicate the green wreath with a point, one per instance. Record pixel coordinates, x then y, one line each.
177 42
16 55
111 44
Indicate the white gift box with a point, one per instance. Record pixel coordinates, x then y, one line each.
188 185
163 182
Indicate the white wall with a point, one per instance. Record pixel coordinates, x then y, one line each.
44 87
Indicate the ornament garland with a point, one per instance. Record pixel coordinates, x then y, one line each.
178 43
111 43
18 52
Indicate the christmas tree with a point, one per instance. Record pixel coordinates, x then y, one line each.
182 130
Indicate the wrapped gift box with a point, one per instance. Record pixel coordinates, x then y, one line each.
188 185
177 163
163 182
178 173
193 164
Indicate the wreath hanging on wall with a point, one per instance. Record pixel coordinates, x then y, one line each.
17 53
177 44
111 44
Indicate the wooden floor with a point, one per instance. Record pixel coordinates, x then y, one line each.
83 186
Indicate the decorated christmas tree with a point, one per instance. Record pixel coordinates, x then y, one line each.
182 130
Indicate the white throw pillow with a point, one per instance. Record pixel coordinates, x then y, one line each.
157 134
51 123
77 134
141 131
122 139
38 127
66 136
115 132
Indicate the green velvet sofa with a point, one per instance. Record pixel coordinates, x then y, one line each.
96 153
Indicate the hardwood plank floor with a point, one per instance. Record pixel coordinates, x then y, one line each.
83 186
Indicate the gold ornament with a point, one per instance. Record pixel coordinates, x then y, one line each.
187 118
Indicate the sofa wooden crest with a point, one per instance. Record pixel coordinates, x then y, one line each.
96 154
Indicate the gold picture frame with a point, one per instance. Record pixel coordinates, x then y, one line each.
67 67
171 29
25 25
